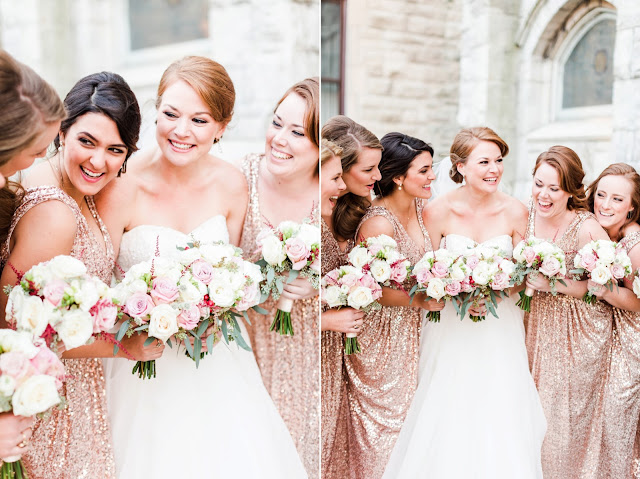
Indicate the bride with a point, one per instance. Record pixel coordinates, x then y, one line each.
476 412
218 420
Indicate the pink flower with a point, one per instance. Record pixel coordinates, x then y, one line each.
54 291
316 263
424 276
164 290
349 279
472 261
250 298
189 318
398 272
500 281
376 292
529 255
466 286
262 235
617 271
453 288
104 314
440 270
202 271
368 282
138 305
332 276
550 266
46 362
588 261
297 252
374 249
14 363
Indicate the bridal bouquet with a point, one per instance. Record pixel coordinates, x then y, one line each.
636 283
353 287
58 301
30 377
290 247
605 262
534 255
440 274
379 256
490 273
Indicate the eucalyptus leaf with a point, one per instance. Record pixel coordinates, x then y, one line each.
148 341
123 330
293 274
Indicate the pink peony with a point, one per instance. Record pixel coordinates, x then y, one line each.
424 276
54 291
189 318
550 267
398 272
472 261
138 305
529 255
500 281
453 288
588 261
376 292
332 276
14 363
164 291
440 270
104 314
47 362
297 252
617 271
202 271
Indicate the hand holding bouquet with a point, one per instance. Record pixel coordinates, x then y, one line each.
379 256
292 248
534 256
636 283
605 262
350 286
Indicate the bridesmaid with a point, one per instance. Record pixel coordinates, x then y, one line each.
614 198
283 185
57 215
381 380
567 340
360 153
26 99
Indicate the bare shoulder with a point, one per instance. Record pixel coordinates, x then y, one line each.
591 230
440 207
40 175
229 176
376 225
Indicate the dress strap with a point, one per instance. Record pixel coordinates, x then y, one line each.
251 170
531 220
379 211
428 246
103 229
631 240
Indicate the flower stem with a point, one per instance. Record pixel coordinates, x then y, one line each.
351 346
282 323
13 470
145 369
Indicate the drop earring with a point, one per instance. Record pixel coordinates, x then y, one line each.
400 187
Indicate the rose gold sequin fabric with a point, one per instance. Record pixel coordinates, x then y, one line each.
74 443
622 390
382 378
334 406
289 365
568 343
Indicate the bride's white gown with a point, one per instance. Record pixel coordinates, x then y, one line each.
476 412
216 421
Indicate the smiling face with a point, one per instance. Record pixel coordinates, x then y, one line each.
185 129
93 153
331 185
484 166
549 198
288 149
362 176
612 201
417 181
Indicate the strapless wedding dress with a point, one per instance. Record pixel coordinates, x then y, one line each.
476 412
216 421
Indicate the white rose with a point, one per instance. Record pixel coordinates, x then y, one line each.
86 296
359 256
39 274
67 267
507 266
35 395
331 296
288 228
636 286
21 341
222 294
137 286
190 292
360 297
482 273
163 322
7 385
392 255
273 250
600 275
380 270
435 289
310 234
457 273
518 250
216 253
30 316
188 256
14 303
75 328
606 253
385 241
137 271
253 271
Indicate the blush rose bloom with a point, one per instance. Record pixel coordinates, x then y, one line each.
439 269
14 363
453 288
189 318
586 261
104 314
297 252
47 362
202 271
472 261
550 266
399 272
138 305
164 291
424 276
54 291
500 281
618 271
163 322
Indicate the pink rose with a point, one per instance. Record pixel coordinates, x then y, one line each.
588 261
466 286
47 362
374 249
297 252
349 279
398 272
617 271
472 261
138 305
440 270
104 314
368 282
14 363
500 281
453 288
424 276
332 276
250 298
164 291
189 318
54 291
376 292
316 263
529 255
550 267
202 271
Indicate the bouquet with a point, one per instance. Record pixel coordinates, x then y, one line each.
489 276
379 256
58 301
636 283
292 248
534 255
30 377
605 262
353 287
440 274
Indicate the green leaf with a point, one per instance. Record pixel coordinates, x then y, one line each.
197 349
123 330
189 348
210 343
148 341
225 331
246 317
279 284
169 343
260 310
270 275
293 274
202 328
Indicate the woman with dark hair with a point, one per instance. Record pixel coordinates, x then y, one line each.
57 215
382 378
283 185
568 340
475 412
614 199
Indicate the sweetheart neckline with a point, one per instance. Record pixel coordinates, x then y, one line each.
476 242
176 230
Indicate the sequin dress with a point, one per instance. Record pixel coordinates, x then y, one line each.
75 442
622 390
334 406
289 365
382 378
568 342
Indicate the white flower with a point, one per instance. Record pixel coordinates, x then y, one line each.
252 271
163 322
507 266
380 270
360 297
188 256
216 253
331 296
359 256
310 234
435 289
482 273
457 273
7 385
137 286
190 292
384 240
21 341
35 395
86 295
273 250
636 286
67 267
600 275
222 294
75 328
288 228
518 250
606 252
30 315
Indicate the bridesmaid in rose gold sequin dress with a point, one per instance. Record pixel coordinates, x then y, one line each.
288 190
568 340
57 215
614 198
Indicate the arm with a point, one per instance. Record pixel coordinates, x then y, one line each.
344 320
114 203
237 198
14 430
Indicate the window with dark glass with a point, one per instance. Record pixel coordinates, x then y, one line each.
332 56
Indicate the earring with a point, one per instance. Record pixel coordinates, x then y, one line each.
400 187
123 168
